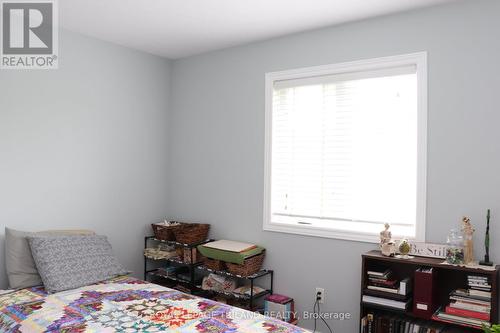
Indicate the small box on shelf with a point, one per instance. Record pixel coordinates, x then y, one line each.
280 307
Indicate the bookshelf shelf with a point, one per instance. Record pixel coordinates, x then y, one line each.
449 278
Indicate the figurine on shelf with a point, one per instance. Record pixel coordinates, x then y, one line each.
387 246
404 249
468 232
487 261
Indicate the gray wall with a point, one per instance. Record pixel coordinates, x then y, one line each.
85 146
217 138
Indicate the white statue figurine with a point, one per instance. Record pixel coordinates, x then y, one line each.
468 232
387 246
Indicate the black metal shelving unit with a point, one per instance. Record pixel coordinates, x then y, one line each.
193 267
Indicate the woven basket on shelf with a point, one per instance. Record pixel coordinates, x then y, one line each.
165 231
188 255
192 233
250 266
214 264
180 252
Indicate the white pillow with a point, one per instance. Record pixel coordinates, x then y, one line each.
21 269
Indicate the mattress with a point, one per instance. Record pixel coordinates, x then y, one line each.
125 304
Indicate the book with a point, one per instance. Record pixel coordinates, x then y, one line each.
459 295
472 322
383 282
405 286
364 325
454 299
470 306
477 278
475 323
480 293
479 283
444 320
383 274
467 313
390 303
231 246
383 294
387 323
383 324
277 298
480 286
387 290
370 323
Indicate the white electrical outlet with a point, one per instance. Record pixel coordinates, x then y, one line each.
320 293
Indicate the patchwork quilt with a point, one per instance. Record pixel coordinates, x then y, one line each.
125 304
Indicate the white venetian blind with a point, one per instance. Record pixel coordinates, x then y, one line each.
344 151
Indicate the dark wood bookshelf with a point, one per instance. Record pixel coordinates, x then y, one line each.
449 278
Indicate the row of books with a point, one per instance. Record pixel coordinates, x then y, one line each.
382 323
385 290
469 307
385 281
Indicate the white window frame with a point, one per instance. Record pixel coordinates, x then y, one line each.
420 60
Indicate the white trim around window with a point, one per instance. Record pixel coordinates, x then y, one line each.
290 77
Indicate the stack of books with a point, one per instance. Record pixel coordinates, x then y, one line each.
385 290
469 307
375 323
384 281
479 286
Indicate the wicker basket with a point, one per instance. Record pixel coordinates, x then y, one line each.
192 233
166 232
180 252
214 264
251 265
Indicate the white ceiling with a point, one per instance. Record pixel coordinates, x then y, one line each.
180 28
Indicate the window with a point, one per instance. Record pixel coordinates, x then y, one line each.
346 149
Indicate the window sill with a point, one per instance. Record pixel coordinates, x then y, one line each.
309 230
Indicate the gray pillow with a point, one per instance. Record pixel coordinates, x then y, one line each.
19 264
70 262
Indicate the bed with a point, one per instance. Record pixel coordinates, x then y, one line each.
126 304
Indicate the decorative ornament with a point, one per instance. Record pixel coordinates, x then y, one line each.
486 261
404 249
468 231
387 246
455 251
